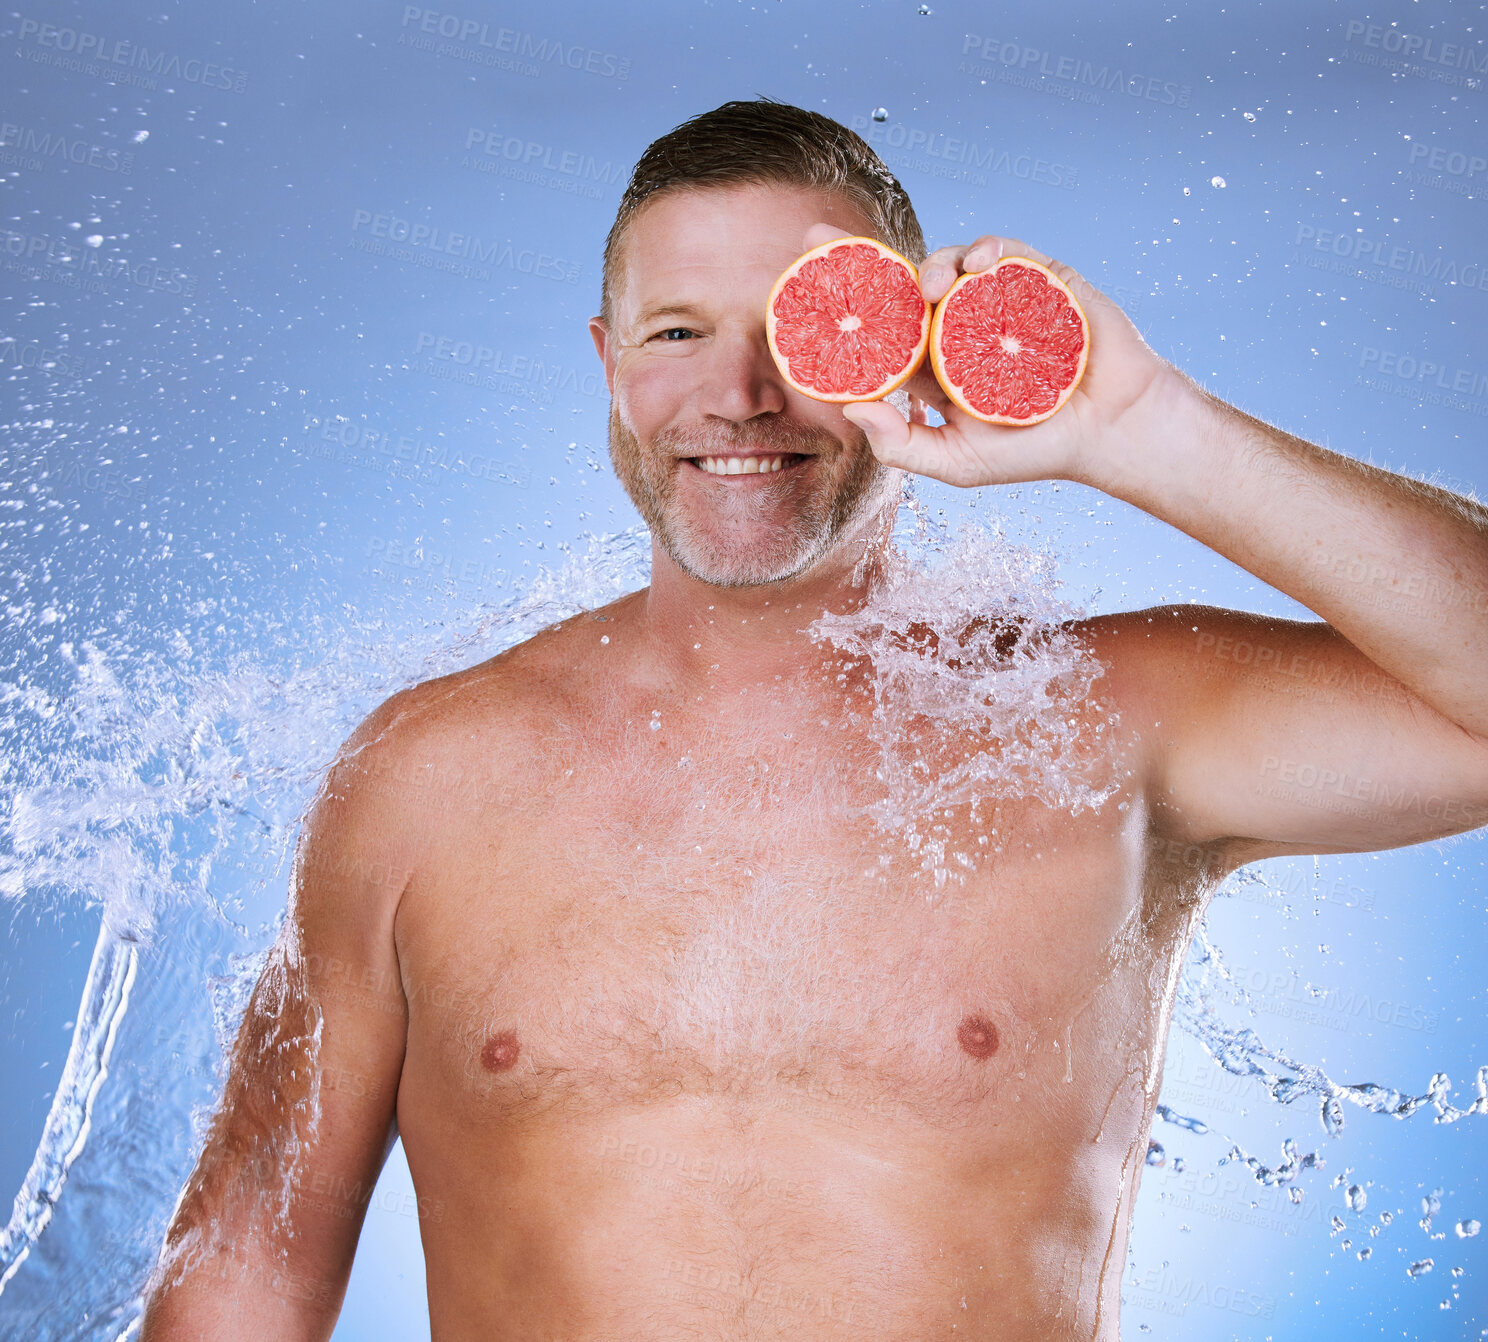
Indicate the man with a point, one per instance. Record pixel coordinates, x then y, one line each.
675 1042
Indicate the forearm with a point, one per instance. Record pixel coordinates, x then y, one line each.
229 1270
239 1295
1399 568
242 1290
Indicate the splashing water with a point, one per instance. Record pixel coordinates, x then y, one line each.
164 786
973 650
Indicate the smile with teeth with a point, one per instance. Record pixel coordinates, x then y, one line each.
746 465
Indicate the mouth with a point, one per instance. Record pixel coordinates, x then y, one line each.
756 464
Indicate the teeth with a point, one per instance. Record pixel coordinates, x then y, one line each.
741 465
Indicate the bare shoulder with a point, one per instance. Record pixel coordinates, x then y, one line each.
466 737
1161 657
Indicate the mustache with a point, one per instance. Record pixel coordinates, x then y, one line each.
720 440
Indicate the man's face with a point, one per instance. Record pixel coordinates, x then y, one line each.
691 377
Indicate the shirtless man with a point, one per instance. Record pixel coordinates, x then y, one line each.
679 1045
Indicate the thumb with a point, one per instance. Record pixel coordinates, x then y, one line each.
885 428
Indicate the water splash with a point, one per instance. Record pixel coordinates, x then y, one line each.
980 688
165 787
1241 1052
166 791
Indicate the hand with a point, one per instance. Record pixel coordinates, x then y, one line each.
1072 444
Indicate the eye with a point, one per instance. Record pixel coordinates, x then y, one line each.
672 331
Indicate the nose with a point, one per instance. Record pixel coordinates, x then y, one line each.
741 380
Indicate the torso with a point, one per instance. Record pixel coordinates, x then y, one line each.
686 1058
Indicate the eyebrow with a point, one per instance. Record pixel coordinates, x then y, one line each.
657 310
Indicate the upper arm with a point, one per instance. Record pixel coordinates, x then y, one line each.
308 1110
1280 737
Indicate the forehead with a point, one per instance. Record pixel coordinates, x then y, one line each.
695 244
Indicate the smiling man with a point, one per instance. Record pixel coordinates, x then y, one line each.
677 1042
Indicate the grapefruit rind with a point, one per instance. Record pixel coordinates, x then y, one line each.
954 391
916 361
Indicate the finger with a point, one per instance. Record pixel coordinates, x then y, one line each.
989 250
912 447
923 387
820 233
938 271
986 252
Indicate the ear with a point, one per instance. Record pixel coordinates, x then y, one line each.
605 348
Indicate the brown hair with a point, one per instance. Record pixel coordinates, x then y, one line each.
766 142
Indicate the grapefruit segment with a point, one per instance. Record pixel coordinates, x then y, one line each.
1009 344
847 321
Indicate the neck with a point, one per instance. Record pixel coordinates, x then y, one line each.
704 641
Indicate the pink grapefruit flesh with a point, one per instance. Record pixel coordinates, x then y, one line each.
847 321
1009 344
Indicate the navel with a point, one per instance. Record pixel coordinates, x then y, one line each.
500 1052
977 1035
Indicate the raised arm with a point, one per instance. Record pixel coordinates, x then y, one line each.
1366 729
262 1239
1267 737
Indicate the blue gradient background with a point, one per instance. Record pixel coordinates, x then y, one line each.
221 412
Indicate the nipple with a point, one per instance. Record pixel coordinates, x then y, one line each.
977 1035
501 1051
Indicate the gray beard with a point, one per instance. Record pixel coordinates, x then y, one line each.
725 550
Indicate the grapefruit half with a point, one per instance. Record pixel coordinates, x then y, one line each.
1009 344
847 321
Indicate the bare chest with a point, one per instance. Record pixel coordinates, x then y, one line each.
668 922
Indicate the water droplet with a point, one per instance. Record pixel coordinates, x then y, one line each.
1249 116
1356 1198
94 239
140 136
604 638
1155 1156
1217 182
1386 1218
656 719
1467 1229
926 10
1187 192
1420 1267
880 113
1364 1254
